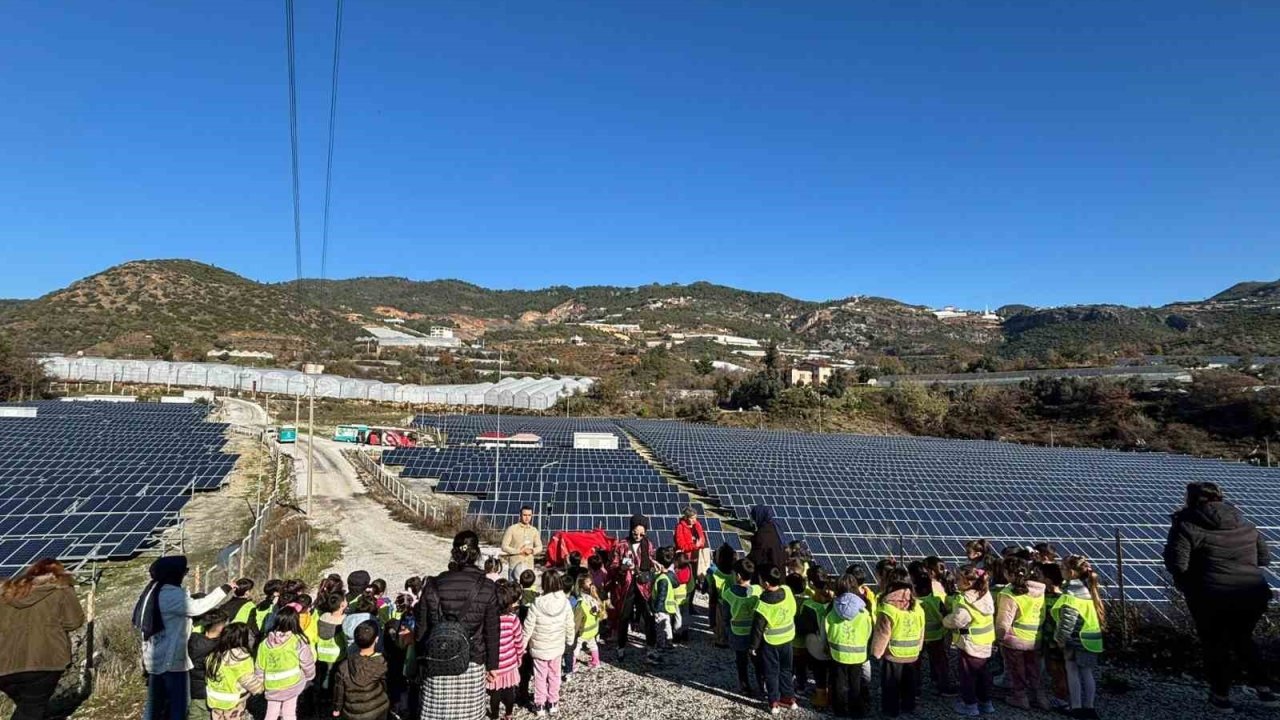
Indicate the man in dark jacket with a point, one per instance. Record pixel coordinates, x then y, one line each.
360 683
1216 558
766 543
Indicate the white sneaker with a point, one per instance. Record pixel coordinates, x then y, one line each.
542 712
555 709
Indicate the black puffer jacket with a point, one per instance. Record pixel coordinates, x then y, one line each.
447 595
360 688
1212 551
199 647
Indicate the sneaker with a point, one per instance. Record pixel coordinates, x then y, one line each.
774 709
790 704
555 709
1221 704
542 712
967 710
987 708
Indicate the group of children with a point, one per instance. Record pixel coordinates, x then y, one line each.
346 651
1022 607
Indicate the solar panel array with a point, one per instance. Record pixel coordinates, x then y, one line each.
582 490
554 431
97 480
863 498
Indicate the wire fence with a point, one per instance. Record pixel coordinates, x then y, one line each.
405 495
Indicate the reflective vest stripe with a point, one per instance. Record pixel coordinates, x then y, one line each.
1030 627
847 639
788 630
907 635
219 696
223 692
282 675
741 609
1090 631
780 628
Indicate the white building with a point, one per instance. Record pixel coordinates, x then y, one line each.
441 332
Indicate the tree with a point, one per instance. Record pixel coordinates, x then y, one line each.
758 390
837 384
704 366
772 358
21 377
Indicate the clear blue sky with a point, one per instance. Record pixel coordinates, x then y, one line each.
945 152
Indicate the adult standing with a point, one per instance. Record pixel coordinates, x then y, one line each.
163 615
766 543
37 611
631 581
520 543
691 539
462 594
1216 558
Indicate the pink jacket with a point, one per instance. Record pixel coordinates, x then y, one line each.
1007 613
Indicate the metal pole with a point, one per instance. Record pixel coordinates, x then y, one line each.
311 444
1124 616
271 560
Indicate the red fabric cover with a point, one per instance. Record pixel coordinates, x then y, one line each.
585 542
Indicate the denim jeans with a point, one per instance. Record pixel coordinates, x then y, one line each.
167 695
779 680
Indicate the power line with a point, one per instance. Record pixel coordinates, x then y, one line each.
333 113
293 139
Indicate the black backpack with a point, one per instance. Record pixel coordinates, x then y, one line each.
446 651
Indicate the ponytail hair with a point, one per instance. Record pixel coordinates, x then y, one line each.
466 549
1017 571
976 578
1079 568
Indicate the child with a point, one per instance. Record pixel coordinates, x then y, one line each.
529 592
738 610
600 580
240 608
574 569
493 568
588 615
362 608
360 682
378 589
1080 619
935 636
797 552
200 646
547 630
503 684
720 578
848 629
799 655
663 602
811 626
528 595
938 573
413 586
771 635
331 644
970 613
1054 660
264 610
897 640
396 633
229 674
285 664
1019 615
683 574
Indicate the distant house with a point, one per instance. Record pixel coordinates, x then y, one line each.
810 372
441 332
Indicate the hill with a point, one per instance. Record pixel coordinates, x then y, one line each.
172 308
1249 291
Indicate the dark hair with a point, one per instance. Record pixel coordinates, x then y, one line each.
575 558
858 573
978 550
883 567
1052 573
492 565
796 583
379 586
216 616
816 577
466 549
508 596
366 634
1017 571
1203 492
527 578
921 582
330 603
362 604
287 621
551 582
414 585
935 566
846 583
305 601
269 592
595 562
770 574
526 507
897 579
744 569
236 636
976 577
665 555
725 556
294 586
1045 552
242 587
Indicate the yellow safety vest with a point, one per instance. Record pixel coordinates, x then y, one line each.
742 608
721 580
779 618
1090 632
933 629
847 639
330 650
245 614
312 629
681 593
590 619
280 665
669 606
387 614
873 600
1026 625
982 628
819 610
223 692
907 635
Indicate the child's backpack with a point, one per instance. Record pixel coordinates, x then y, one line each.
446 651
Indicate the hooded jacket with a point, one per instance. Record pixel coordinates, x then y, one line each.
33 629
1007 612
766 543
848 605
306 660
549 627
166 651
960 619
883 631
1212 551
360 688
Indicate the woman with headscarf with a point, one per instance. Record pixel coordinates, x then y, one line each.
1216 558
163 615
630 581
37 611
462 594
766 543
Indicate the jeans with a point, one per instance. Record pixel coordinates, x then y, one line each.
898 683
975 679
846 692
166 696
30 692
778 678
741 659
546 682
1080 684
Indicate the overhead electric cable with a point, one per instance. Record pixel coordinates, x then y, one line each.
293 138
333 114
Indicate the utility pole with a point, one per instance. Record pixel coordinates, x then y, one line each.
313 370
497 448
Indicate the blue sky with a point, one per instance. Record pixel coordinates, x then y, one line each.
941 153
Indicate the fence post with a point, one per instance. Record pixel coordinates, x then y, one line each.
286 555
198 579
271 561
242 542
1124 615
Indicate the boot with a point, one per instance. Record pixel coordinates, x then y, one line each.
821 698
595 659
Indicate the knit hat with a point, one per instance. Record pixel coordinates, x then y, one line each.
357 582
